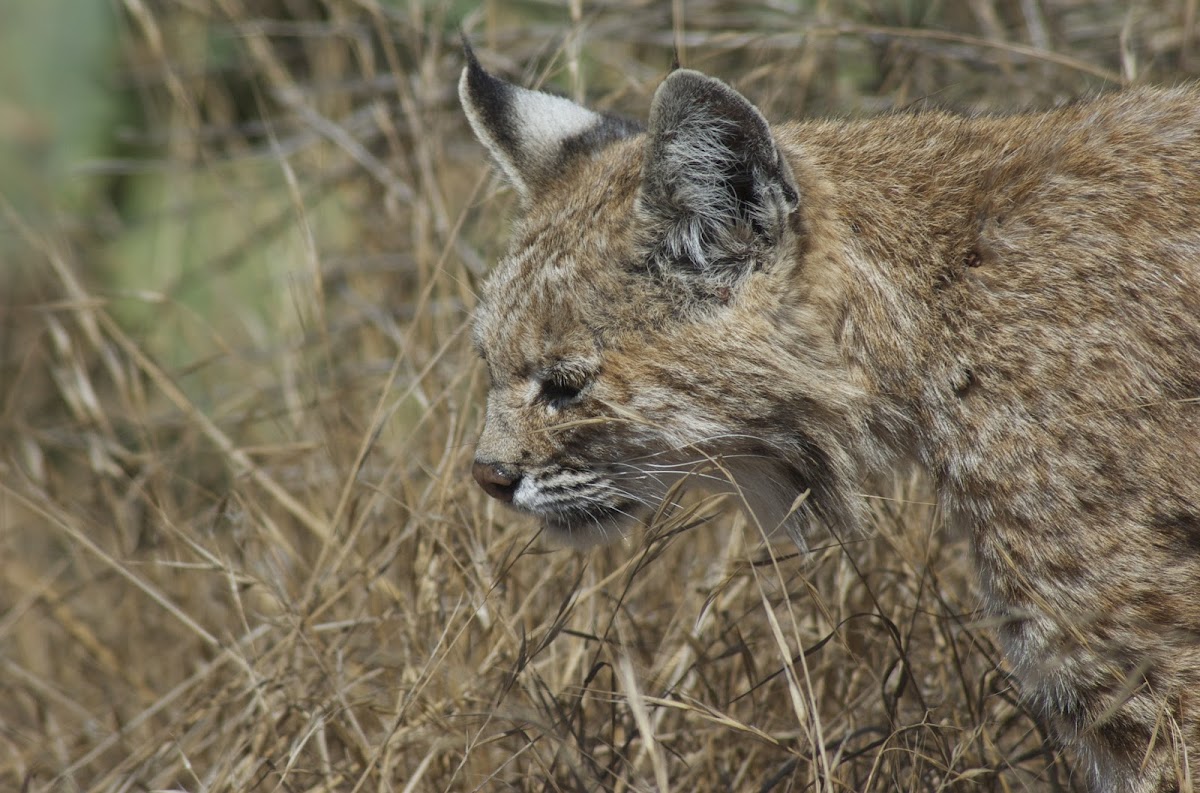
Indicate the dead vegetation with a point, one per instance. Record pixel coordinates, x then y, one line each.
239 545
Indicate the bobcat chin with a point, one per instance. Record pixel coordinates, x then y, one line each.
1011 302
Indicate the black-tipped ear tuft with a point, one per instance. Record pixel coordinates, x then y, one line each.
531 135
468 53
488 103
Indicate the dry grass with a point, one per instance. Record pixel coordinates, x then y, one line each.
239 547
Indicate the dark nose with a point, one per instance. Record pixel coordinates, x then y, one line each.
496 481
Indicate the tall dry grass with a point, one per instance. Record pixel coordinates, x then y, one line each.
239 547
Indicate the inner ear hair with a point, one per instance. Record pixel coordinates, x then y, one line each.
715 187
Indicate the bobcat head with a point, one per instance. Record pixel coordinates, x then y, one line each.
649 322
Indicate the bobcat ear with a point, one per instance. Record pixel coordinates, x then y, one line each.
532 135
715 189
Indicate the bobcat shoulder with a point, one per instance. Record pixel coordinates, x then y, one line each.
1013 302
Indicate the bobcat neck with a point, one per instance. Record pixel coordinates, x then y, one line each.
1011 325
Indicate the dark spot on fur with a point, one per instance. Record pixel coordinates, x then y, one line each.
1066 569
1180 531
1186 385
946 278
819 477
965 384
973 258
1151 607
1012 627
1125 739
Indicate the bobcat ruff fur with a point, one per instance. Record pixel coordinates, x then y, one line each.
1011 302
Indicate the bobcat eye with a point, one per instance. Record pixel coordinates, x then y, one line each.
557 393
562 384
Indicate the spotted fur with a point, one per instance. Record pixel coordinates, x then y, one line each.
1011 302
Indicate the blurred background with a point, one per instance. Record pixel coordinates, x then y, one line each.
240 242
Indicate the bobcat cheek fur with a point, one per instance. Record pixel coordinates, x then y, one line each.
1012 302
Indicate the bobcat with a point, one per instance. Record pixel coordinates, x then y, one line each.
1011 302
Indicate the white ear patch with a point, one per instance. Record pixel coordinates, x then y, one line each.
531 134
545 121
524 130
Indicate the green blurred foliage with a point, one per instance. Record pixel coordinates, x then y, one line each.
163 231
56 108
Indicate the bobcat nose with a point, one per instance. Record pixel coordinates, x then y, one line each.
497 482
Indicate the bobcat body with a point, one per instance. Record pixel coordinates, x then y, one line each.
1011 302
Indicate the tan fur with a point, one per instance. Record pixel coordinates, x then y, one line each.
1012 302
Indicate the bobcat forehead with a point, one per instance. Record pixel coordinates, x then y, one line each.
570 259
783 312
